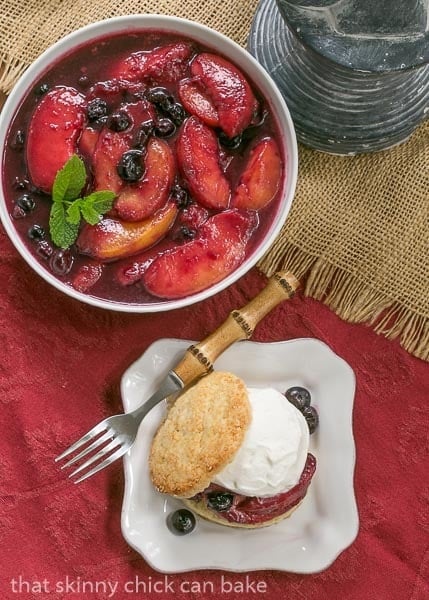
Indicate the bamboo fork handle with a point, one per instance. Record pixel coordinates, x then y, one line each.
239 325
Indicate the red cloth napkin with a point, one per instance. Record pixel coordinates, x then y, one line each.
60 369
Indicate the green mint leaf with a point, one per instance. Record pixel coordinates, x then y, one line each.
69 180
68 208
73 212
63 234
89 213
95 205
101 201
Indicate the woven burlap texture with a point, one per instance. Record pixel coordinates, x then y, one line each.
359 227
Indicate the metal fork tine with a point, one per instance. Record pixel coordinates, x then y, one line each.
105 450
98 442
85 438
105 463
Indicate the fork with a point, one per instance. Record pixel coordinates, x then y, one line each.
112 438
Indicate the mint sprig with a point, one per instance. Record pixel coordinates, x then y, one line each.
68 208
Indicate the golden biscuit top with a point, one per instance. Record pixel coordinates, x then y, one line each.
200 435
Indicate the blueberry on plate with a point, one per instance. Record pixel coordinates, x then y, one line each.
219 501
312 418
300 397
181 522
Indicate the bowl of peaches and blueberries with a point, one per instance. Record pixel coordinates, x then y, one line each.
147 163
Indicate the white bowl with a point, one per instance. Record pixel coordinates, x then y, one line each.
207 37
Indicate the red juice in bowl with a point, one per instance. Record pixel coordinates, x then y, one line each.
187 144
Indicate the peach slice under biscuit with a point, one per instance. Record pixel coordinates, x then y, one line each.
112 239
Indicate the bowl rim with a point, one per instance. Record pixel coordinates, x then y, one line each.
209 37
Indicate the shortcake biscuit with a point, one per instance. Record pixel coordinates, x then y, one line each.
200 435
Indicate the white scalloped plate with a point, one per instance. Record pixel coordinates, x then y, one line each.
327 520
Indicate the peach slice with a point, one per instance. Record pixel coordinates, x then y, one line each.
87 276
138 201
113 91
229 91
218 250
198 157
112 239
166 63
54 129
139 112
108 151
88 142
261 177
197 102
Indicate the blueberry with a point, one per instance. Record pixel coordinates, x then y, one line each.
61 262
185 233
119 121
230 143
147 127
83 81
181 521
299 397
44 249
164 128
130 167
160 96
26 202
18 141
20 184
42 89
219 501
96 109
312 418
36 232
181 196
176 113
18 213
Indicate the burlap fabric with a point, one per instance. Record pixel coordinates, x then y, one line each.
358 232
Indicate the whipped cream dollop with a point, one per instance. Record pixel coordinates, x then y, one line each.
273 454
